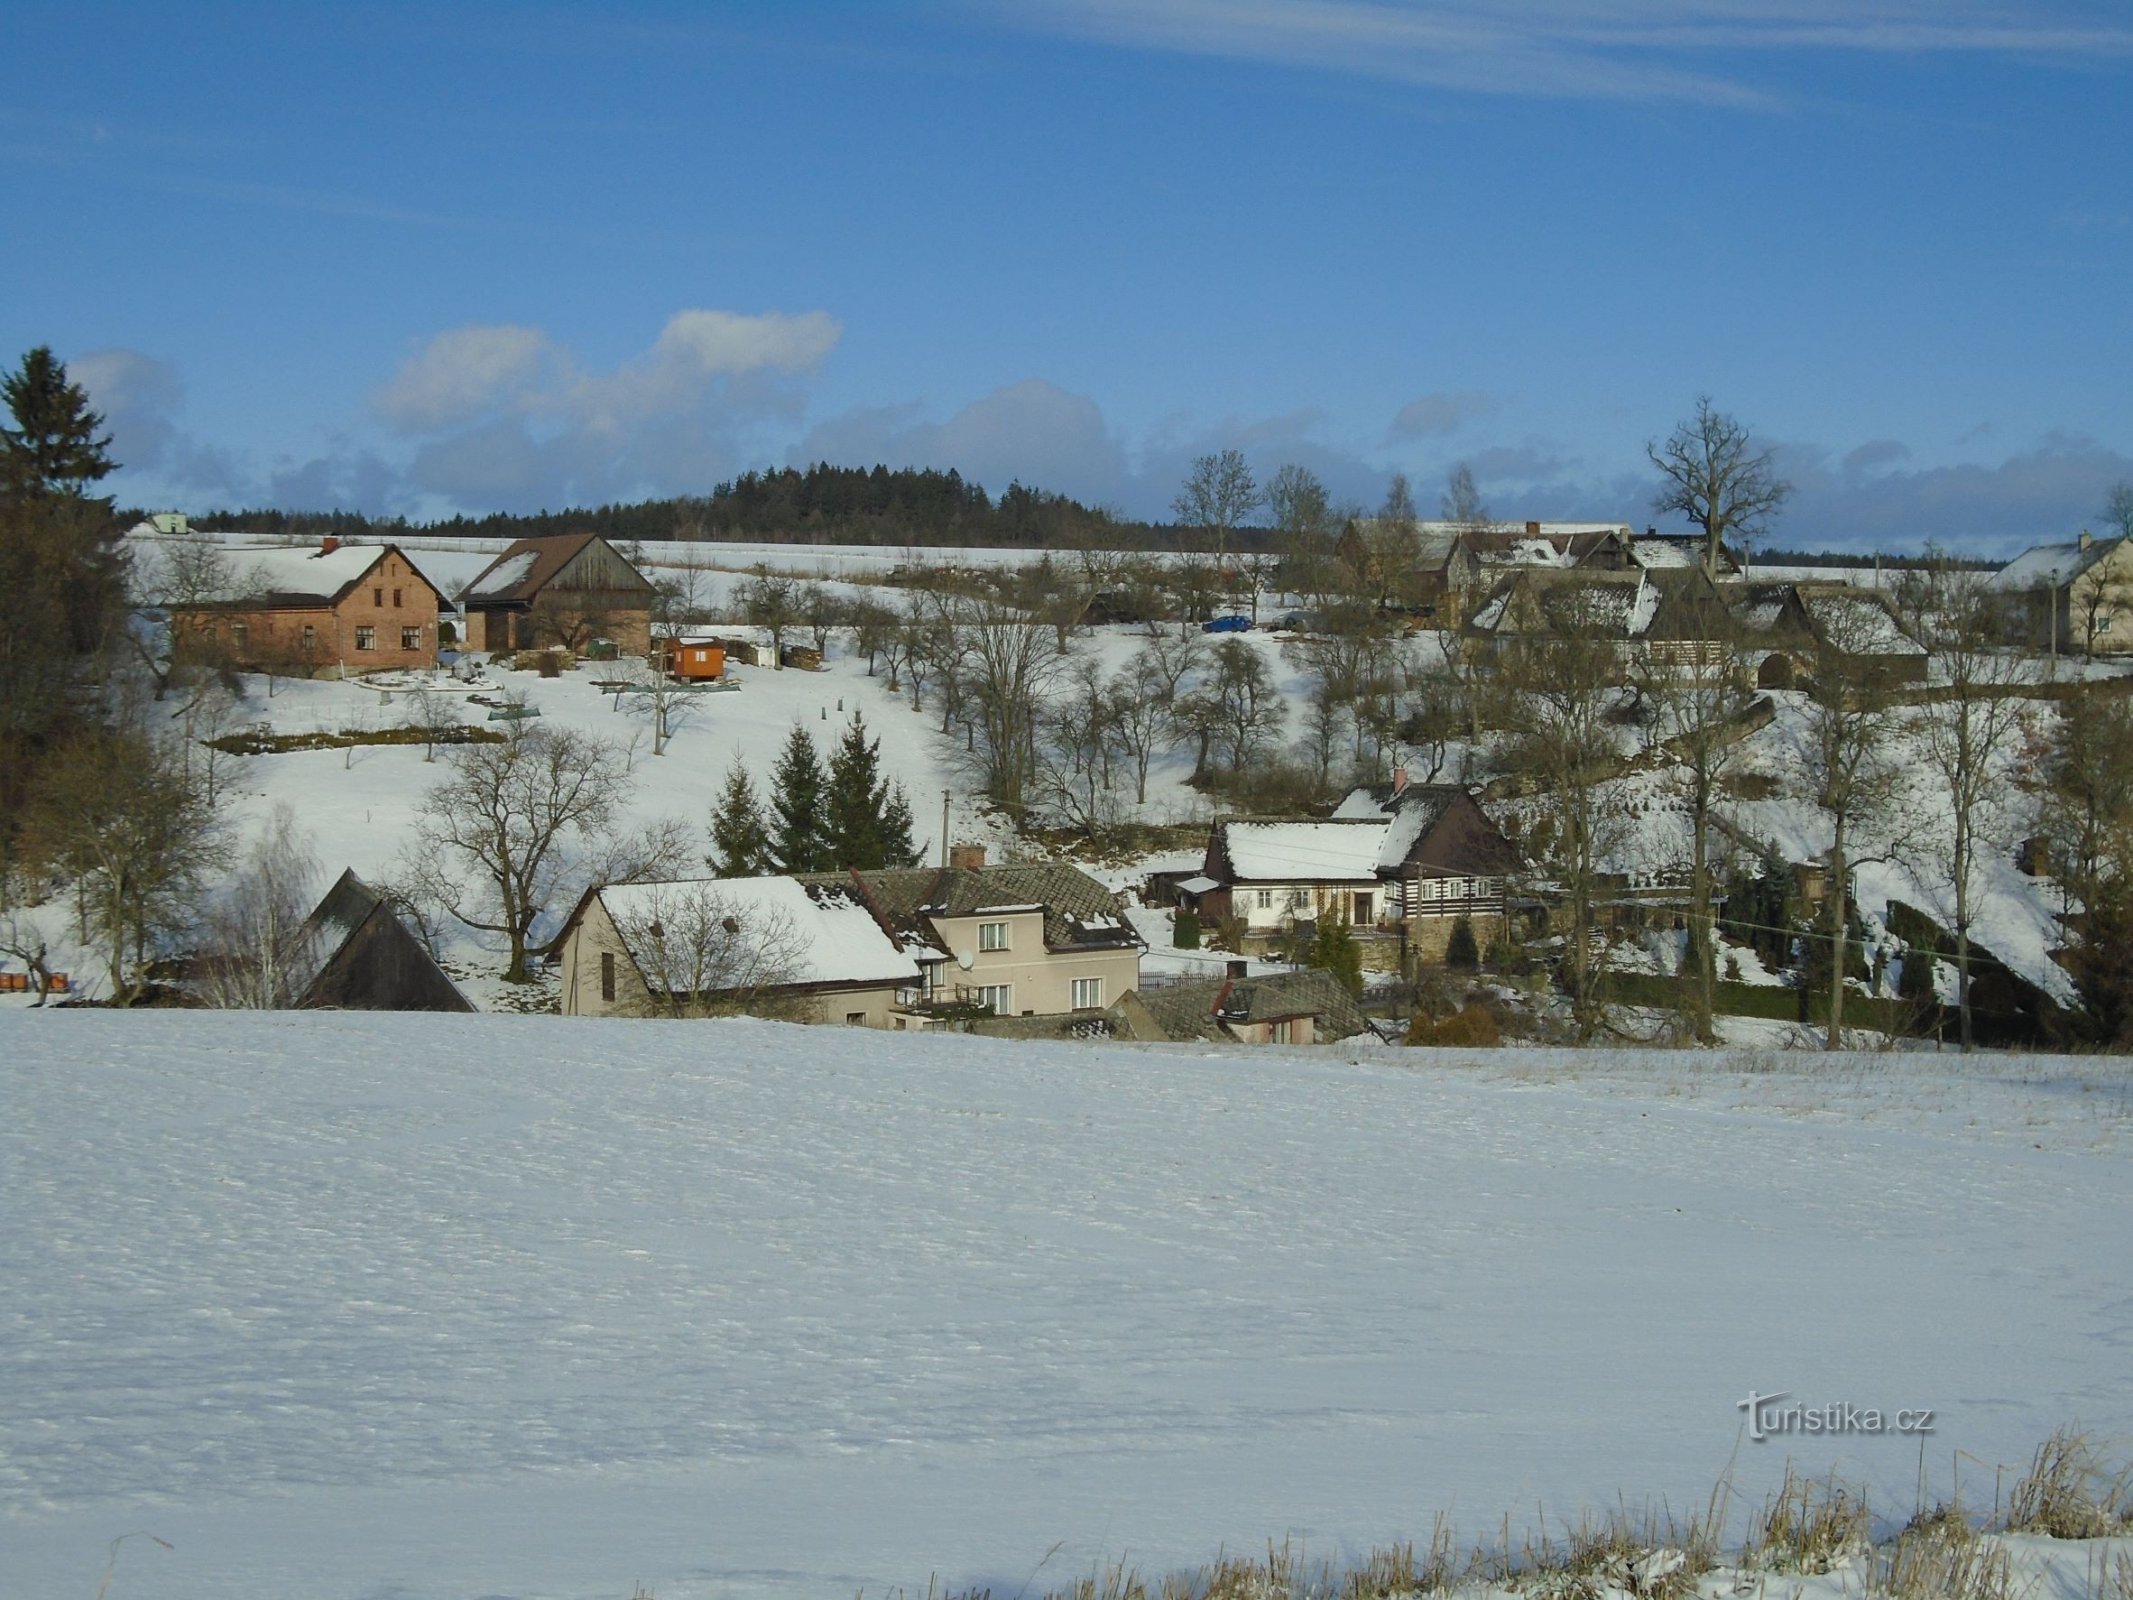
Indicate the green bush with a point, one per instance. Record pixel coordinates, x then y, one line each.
1185 928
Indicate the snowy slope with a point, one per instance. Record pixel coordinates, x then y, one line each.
355 1307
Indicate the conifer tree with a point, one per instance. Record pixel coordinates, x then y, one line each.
1335 952
856 801
53 449
740 842
798 841
897 848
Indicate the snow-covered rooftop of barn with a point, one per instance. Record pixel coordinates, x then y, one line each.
836 938
504 575
1302 852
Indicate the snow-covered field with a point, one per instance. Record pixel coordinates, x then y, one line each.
350 1306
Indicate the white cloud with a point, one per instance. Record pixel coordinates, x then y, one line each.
507 418
464 373
138 396
1584 49
1432 414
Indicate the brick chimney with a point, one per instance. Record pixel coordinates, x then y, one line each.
969 857
1399 781
2087 539
328 545
1533 530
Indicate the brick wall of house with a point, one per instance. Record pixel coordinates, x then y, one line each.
389 601
319 641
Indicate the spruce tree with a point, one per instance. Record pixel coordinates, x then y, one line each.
53 449
740 842
897 848
797 834
855 803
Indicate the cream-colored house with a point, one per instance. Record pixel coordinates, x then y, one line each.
2090 586
895 949
1034 939
704 946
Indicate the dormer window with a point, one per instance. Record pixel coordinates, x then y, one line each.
992 936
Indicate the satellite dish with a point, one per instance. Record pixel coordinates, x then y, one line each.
962 959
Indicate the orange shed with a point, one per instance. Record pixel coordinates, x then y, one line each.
697 660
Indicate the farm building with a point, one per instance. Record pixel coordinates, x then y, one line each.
565 589
332 611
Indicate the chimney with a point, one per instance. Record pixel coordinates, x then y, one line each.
1399 781
1650 532
328 545
1238 969
2086 539
968 857
1533 530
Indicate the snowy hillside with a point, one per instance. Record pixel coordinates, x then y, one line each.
421 1307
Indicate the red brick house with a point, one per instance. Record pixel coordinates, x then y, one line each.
332 611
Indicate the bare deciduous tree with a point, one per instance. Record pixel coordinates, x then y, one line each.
1007 667
1967 732
2118 510
1700 693
1462 501
125 820
1218 494
260 953
1079 742
1559 688
703 952
1848 773
500 837
1717 479
769 602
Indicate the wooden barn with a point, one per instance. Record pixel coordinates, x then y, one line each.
564 589
368 961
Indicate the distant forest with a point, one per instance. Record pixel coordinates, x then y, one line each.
823 505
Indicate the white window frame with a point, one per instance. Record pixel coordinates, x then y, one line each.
1266 899
993 936
1088 994
1000 996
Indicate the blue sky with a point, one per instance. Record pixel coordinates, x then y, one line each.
418 259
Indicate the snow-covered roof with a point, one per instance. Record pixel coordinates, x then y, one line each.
1655 553
1305 852
2051 563
1642 610
1857 624
1359 805
302 571
508 572
1198 883
833 937
1527 553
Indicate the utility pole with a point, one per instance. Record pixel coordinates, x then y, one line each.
944 829
2051 603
